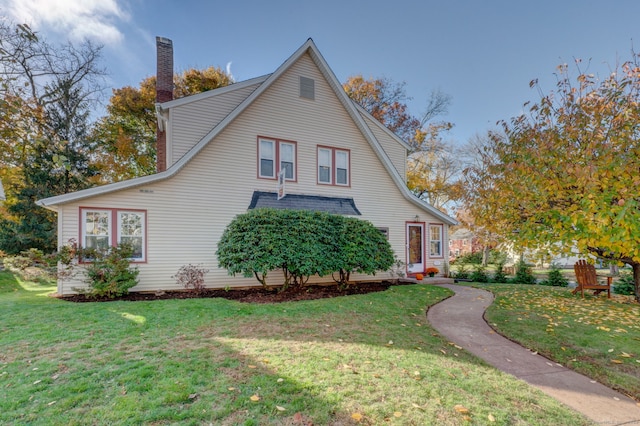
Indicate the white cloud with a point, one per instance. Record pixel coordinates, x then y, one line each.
77 19
229 70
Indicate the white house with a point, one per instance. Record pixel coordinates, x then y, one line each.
219 153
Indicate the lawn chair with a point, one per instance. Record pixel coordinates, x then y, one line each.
588 279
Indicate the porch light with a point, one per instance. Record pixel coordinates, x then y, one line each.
416 219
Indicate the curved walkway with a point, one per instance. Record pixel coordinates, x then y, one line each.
461 320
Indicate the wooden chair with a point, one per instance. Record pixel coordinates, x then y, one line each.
587 279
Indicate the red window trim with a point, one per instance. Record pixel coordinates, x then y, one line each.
277 143
334 169
113 233
441 226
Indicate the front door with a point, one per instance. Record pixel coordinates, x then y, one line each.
415 248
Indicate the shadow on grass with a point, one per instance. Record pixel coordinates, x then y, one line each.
203 360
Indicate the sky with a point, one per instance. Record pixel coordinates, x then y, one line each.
481 53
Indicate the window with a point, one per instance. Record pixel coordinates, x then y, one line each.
102 228
272 152
333 166
435 240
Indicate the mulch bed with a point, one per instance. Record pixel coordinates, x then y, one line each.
252 295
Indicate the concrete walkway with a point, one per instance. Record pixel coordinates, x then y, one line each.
460 319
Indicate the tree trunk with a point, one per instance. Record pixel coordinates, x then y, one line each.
485 255
636 278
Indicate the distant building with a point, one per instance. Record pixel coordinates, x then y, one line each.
462 242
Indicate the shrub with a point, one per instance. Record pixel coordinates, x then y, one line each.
362 248
109 273
496 257
470 258
523 274
479 274
16 263
499 276
625 284
301 244
555 278
191 277
398 269
462 272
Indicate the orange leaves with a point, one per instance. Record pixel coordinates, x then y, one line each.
357 417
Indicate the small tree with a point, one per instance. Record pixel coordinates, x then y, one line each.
499 276
555 277
109 273
523 274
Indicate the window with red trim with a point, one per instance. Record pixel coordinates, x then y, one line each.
275 155
101 228
334 166
435 240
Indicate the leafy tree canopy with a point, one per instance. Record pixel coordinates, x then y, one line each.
433 171
566 173
126 135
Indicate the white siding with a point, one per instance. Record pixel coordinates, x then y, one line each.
191 122
187 213
395 151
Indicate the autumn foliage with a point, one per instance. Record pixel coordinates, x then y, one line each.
565 173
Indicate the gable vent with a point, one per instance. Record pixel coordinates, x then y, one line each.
307 88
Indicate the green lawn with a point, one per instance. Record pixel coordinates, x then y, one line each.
595 336
370 359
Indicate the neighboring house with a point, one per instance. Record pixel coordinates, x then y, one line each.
219 153
2 196
461 242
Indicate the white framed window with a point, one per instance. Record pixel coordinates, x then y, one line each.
334 166
324 165
131 230
267 155
103 228
435 240
275 155
96 229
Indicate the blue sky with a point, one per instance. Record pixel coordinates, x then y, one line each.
482 53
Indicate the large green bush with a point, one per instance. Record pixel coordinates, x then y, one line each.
364 249
301 244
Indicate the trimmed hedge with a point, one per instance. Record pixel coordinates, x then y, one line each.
302 244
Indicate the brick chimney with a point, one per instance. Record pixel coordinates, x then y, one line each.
164 93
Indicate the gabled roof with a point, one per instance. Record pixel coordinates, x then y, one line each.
349 105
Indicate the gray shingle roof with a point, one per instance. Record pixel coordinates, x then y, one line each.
336 205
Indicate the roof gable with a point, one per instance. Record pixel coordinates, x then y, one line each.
354 111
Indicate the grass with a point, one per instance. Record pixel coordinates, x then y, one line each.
595 336
369 359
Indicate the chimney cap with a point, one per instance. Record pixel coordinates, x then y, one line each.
163 40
